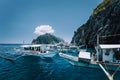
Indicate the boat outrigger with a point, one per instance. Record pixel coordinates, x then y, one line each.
107 57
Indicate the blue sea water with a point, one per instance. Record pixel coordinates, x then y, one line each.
42 68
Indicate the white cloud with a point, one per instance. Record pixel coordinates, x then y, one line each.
42 29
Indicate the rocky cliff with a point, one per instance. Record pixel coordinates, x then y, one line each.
47 39
105 21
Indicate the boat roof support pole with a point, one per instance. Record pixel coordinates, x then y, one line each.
97 47
110 77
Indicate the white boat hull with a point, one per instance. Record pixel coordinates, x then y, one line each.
75 61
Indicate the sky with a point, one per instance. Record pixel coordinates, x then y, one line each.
25 20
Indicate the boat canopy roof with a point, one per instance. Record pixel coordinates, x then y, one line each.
30 45
109 46
37 45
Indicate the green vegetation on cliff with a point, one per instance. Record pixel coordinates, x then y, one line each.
47 39
102 6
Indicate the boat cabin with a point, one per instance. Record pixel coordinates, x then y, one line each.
109 53
35 48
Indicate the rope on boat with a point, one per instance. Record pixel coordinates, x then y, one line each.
106 67
19 56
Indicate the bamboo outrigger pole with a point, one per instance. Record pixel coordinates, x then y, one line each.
97 48
106 72
10 59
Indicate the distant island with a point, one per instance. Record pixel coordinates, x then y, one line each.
47 39
105 21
